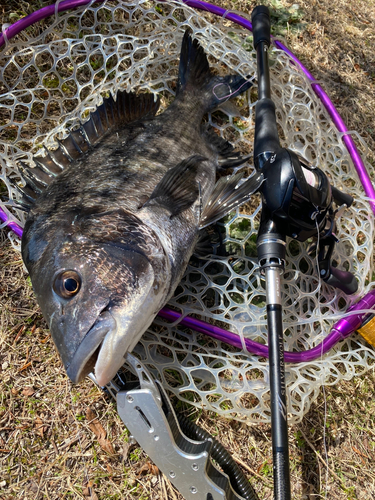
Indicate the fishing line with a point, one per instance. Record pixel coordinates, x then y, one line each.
230 92
321 359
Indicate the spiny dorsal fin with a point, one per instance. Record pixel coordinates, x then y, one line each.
27 196
229 194
178 189
110 115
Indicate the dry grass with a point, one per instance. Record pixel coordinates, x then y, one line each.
48 442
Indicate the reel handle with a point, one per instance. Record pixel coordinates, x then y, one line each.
343 280
341 198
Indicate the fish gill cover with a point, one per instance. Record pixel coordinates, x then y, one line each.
51 83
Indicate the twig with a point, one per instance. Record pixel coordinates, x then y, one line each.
321 459
249 469
171 490
163 486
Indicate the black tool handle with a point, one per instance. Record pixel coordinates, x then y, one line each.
279 423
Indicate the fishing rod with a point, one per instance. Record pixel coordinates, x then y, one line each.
297 202
320 230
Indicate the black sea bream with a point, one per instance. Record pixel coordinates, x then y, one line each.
115 211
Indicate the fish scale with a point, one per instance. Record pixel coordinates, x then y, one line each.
108 238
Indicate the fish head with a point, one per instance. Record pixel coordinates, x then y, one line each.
100 280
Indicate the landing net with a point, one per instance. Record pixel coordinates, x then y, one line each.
49 82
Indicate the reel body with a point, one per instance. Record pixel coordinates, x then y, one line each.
298 195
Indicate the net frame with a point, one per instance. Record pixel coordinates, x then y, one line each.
211 374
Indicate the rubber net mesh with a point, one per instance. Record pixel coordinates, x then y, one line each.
51 81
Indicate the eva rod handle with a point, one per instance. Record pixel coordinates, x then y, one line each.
260 19
343 280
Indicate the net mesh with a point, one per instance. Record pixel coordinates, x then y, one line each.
50 81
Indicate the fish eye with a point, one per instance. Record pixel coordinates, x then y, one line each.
67 284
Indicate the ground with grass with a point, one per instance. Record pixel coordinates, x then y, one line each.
62 441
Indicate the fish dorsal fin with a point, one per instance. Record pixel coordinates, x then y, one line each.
110 115
228 194
178 189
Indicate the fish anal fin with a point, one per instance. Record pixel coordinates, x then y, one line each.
178 190
221 146
229 194
228 157
234 160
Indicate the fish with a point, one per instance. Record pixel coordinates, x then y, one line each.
115 211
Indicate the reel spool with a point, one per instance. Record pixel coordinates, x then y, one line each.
52 81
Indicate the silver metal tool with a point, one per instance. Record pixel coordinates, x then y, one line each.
151 420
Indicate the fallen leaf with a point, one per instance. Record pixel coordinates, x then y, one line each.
28 391
127 447
14 391
148 468
39 427
20 332
99 431
89 491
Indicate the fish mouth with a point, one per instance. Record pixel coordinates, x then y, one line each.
85 357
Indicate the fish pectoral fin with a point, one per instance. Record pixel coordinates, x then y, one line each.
179 188
228 194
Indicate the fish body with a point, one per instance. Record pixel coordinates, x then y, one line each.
115 211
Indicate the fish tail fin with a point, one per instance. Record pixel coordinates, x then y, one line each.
194 68
194 73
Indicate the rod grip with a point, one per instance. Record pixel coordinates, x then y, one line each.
266 134
260 19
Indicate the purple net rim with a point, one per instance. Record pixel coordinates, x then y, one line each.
342 328
40 14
